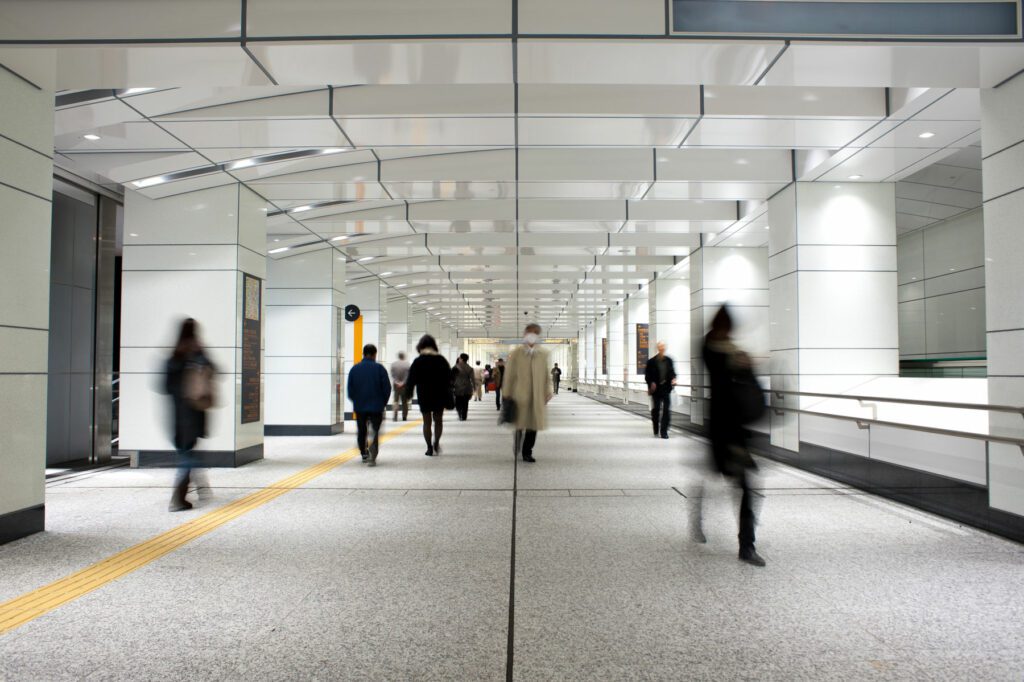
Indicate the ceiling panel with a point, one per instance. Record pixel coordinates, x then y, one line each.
132 135
426 131
270 133
603 132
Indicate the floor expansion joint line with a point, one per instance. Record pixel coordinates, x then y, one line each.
21 610
510 651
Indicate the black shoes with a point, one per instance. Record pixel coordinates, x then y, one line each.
437 448
528 458
665 436
365 456
179 505
751 557
429 452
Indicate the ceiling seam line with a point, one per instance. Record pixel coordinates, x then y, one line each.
785 46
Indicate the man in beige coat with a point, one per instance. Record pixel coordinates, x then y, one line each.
527 381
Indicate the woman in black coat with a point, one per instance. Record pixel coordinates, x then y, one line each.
730 456
188 380
430 376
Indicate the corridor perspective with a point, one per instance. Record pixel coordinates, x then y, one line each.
403 571
511 339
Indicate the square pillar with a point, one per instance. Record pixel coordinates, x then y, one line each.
26 190
833 292
398 331
1002 131
637 315
305 344
202 255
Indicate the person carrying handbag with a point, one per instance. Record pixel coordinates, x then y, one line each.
526 382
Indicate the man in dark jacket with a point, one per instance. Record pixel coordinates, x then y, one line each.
369 390
660 375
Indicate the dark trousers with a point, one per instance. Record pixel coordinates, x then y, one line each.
525 440
555 384
747 517
497 397
462 406
660 402
363 420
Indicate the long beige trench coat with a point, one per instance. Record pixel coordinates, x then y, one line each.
527 380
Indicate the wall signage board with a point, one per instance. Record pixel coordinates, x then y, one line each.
643 347
252 324
604 355
887 19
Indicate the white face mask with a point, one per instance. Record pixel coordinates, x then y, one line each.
531 339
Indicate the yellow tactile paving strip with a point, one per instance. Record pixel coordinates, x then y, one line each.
36 603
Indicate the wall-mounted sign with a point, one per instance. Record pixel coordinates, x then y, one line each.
351 312
643 347
251 341
604 355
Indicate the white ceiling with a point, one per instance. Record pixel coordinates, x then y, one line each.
482 177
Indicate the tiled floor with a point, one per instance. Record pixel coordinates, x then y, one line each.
402 571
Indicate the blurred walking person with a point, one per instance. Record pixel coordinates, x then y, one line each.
660 376
527 385
498 374
369 389
462 385
736 400
478 382
399 374
430 378
190 382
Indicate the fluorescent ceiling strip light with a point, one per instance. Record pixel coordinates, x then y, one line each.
280 250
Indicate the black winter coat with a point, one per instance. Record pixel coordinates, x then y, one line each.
189 424
431 377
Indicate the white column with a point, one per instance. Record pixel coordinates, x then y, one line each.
616 348
738 277
668 306
26 189
417 328
305 344
370 326
593 353
1002 131
833 291
192 255
604 355
638 313
398 331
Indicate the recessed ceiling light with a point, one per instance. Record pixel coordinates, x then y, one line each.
837 186
767 227
413 294
132 234
333 150
149 182
385 274
364 259
339 238
277 240
280 250
925 136
136 91
243 163
300 209
739 245
92 137
403 284
741 162
856 177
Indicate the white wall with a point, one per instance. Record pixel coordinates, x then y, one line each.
941 277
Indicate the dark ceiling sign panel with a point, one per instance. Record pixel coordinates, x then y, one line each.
882 19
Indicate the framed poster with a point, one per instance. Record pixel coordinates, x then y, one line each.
604 355
643 347
252 306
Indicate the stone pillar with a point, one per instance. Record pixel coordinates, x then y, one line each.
604 355
305 344
616 348
417 328
637 313
737 276
1002 131
833 292
593 356
200 254
26 190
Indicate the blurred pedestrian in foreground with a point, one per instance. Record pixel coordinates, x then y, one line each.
399 374
369 389
430 377
462 385
736 400
660 375
527 386
190 381
478 382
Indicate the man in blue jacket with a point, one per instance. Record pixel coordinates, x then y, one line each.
369 390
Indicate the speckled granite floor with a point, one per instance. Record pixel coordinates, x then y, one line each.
402 571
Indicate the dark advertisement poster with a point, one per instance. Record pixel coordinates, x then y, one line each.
251 332
604 355
643 347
